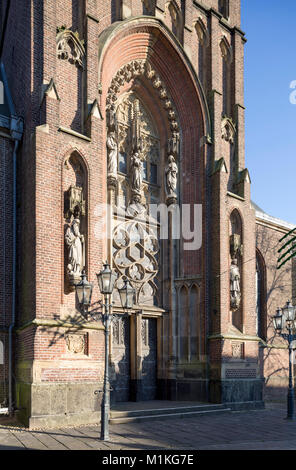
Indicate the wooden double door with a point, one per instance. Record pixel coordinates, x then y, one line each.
134 358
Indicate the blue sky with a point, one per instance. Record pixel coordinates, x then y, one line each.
270 67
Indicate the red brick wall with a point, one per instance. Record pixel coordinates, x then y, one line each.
278 288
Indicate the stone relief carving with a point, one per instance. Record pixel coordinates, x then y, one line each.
76 343
237 350
70 47
135 255
75 202
236 248
228 130
235 291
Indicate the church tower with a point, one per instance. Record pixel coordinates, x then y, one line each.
132 151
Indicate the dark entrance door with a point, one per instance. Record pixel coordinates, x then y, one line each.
149 358
121 359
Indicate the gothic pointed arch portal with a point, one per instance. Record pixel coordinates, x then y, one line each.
157 131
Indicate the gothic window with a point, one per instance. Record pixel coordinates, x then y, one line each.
1 353
195 332
122 162
226 52
116 10
224 8
175 19
260 296
183 325
149 7
202 37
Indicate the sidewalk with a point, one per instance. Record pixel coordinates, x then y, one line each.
253 430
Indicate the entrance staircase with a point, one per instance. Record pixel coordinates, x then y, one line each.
131 412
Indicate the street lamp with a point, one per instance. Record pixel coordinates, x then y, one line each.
106 280
84 293
127 295
286 318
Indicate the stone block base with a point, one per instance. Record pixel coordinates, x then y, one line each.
236 391
59 404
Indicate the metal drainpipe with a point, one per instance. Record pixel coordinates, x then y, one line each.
4 27
11 326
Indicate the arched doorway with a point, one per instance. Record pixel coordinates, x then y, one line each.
157 125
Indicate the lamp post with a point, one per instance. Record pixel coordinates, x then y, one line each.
286 319
106 281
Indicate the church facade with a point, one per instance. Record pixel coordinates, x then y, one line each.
122 139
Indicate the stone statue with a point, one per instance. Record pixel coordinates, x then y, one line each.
136 173
75 242
171 172
235 292
112 154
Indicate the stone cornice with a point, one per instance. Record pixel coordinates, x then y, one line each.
59 324
235 337
272 222
74 133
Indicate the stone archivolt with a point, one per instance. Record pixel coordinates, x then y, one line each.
133 70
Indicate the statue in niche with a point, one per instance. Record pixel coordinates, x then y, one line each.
171 172
235 292
136 173
112 154
76 246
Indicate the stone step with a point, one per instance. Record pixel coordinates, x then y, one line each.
122 417
165 410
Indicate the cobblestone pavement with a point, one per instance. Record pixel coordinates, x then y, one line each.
253 430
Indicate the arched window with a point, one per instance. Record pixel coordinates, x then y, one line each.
175 16
183 325
149 7
1 353
195 327
203 41
261 296
116 10
226 52
224 8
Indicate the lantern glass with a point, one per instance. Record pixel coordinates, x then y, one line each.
84 291
278 321
289 312
127 295
106 279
